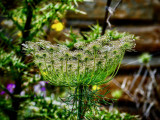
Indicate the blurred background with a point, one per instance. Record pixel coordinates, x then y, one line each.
133 84
137 84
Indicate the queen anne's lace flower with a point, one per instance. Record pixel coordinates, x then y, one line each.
89 64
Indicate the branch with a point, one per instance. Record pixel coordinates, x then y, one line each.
111 11
106 16
27 26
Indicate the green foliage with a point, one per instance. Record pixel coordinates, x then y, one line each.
90 98
11 61
109 115
49 109
89 36
46 108
94 34
33 15
5 110
23 21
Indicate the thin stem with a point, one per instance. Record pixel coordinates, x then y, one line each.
80 104
46 64
78 66
62 66
67 70
93 67
136 77
94 60
78 70
66 66
86 67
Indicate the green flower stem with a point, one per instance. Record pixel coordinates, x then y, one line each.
94 60
53 67
80 103
67 71
45 64
62 66
86 71
78 70
66 66
94 66
52 63
106 61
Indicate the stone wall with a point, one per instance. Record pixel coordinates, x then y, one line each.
129 9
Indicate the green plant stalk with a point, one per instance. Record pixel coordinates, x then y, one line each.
80 103
78 70
94 66
67 70
66 66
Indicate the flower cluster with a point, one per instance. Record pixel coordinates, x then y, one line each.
10 87
88 64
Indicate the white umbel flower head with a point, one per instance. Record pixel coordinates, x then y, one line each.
88 64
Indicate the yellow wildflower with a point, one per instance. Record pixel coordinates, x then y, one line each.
57 26
95 87
44 73
19 34
14 18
